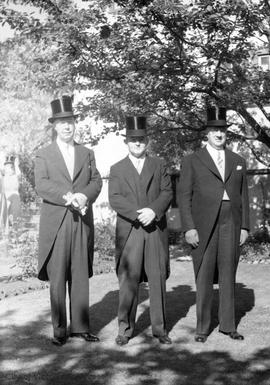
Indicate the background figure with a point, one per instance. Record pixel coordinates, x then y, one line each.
11 182
140 192
214 205
3 210
68 181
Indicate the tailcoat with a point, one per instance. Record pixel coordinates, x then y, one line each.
200 196
123 198
52 181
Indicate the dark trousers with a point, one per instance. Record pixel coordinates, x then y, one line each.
220 253
69 263
142 250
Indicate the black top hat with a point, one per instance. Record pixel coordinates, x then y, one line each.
62 108
10 159
216 117
136 126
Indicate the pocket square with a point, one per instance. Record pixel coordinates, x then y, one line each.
239 167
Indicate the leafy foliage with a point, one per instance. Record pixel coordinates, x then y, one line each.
105 240
25 249
165 59
27 180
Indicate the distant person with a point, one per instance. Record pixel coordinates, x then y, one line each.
12 175
3 210
214 207
140 192
68 181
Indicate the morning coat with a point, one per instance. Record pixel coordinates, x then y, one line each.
52 181
123 199
200 195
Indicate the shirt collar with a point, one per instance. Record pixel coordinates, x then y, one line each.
135 160
213 151
64 145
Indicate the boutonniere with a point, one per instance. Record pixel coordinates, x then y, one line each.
239 167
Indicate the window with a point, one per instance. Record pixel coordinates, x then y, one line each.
264 62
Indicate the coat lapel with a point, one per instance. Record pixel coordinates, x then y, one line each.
147 172
59 160
207 160
229 162
80 154
129 174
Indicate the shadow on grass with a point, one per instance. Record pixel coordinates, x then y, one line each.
83 364
28 357
244 302
178 301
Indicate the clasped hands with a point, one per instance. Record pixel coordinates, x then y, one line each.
77 200
146 216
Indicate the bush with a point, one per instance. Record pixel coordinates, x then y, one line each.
105 240
25 249
27 179
104 248
257 248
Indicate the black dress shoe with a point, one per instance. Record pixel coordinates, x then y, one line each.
121 340
200 338
86 336
164 339
59 341
233 335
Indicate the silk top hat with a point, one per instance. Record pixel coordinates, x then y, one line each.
62 108
136 126
216 117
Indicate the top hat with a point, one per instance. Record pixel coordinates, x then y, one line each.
10 159
216 117
136 126
62 108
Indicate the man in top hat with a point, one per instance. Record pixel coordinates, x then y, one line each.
214 208
140 193
68 181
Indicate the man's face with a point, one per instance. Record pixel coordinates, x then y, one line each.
217 137
65 128
137 146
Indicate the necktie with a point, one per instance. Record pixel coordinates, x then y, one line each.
220 164
138 166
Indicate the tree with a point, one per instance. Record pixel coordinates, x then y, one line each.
166 59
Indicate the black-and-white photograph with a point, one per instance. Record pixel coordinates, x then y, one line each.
135 192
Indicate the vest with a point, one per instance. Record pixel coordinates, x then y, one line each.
140 189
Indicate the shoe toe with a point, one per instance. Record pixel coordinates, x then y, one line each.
200 338
121 340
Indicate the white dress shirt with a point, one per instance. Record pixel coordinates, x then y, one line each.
67 150
218 157
137 162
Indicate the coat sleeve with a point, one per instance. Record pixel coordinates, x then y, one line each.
245 200
46 188
94 185
184 194
117 200
161 204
